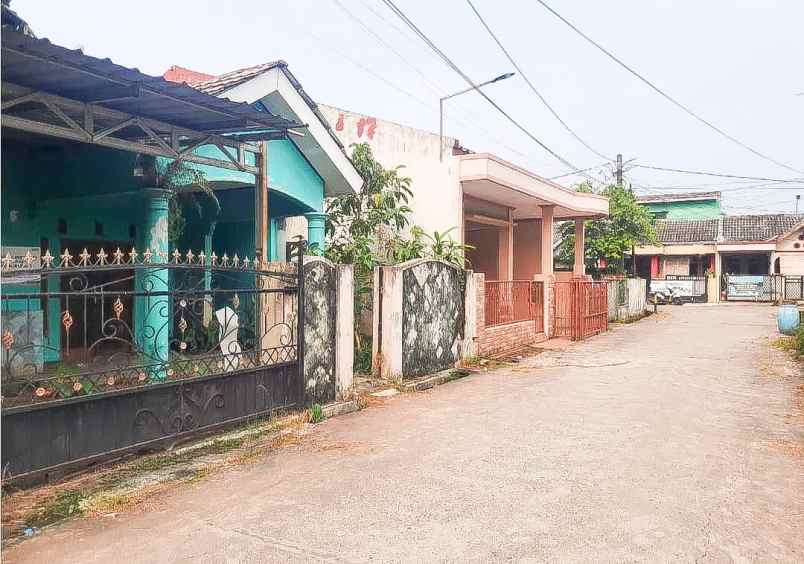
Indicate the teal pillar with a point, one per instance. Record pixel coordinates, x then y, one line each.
152 305
316 222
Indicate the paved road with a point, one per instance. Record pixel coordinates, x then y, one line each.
666 440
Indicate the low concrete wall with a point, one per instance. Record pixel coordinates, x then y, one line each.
491 341
423 322
627 298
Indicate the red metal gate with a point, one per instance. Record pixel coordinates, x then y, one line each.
581 309
514 301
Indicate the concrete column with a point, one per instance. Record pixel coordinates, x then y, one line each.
153 310
547 240
470 303
579 268
654 266
344 330
316 224
387 341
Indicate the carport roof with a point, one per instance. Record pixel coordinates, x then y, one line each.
488 177
43 66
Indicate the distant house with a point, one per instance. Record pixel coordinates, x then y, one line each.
736 245
692 205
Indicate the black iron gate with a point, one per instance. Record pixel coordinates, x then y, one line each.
105 354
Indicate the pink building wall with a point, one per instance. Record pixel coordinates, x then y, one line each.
527 249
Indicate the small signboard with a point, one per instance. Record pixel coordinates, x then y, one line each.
678 288
745 287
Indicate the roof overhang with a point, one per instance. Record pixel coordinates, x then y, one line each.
280 96
61 93
678 249
494 180
42 66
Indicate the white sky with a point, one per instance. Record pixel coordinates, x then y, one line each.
738 63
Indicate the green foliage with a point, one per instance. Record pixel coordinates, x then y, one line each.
799 341
628 224
367 229
186 183
316 413
362 358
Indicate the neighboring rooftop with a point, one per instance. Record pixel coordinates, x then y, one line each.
683 197
181 74
730 228
675 231
758 227
217 85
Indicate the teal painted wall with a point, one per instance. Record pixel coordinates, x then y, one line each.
701 209
288 173
86 180
84 184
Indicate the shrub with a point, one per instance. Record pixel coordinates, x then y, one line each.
798 339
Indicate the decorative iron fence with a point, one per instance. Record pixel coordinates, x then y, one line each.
514 301
98 347
581 309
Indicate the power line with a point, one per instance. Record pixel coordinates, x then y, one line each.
664 94
682 171
409 94
401 15
532 87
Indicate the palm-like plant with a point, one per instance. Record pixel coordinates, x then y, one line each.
185 182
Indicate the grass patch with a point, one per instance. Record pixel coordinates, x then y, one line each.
56 508
784 343
316 413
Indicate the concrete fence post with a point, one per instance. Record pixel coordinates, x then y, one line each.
344 330
387 342
469 345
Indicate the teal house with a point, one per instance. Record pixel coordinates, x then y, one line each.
691 205
305 166
79 137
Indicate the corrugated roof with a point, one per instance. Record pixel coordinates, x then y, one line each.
758 227
673 231
682 197
41 65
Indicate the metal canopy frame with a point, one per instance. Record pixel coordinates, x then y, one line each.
55 116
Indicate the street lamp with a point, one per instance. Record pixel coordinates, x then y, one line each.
464 91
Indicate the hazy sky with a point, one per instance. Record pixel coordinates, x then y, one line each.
738 63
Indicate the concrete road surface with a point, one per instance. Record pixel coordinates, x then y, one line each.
674 439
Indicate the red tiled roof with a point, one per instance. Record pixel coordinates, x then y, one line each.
181 74
219 84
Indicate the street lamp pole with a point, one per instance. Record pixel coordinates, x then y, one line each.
464 91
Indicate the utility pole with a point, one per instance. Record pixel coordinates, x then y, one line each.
798 197
619 169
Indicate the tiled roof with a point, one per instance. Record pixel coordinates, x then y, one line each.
758 227
669 231
181 74
224 82
683 197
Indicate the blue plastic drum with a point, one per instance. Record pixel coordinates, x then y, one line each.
788 319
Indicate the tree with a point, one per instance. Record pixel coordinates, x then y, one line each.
370 229
628 224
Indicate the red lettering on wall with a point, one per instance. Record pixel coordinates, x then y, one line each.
339 123
371 123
